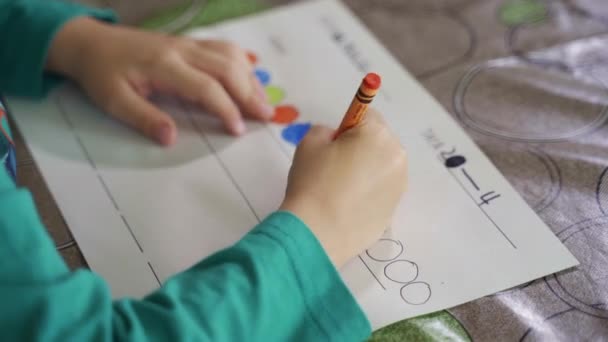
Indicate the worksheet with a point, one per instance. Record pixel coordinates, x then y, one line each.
141 213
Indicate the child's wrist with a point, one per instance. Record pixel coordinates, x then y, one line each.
320 228
71 46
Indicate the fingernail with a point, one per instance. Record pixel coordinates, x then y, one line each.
239 128
165 135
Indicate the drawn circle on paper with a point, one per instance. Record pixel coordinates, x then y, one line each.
532 172
401 271
275 95
402 30
385 250
516 101
588 327
416 293
585 287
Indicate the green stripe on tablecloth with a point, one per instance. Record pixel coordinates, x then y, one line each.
213 11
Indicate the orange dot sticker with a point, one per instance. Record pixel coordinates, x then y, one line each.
285 114
252 57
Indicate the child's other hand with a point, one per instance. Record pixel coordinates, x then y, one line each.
119 67
347 190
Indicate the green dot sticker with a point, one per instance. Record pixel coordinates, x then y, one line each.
519 12
275 95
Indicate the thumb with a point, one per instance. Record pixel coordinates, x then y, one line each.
317 136
372 122
136 111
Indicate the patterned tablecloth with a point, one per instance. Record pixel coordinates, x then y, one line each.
528 79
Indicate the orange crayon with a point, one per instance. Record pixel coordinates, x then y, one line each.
358 108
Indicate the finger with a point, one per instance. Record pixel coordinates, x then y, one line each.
373 122
227 50
374 118
129 107
232 52
203 89
265 110
317 136
241 84
377 132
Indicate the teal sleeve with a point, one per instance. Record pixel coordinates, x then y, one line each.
6 182
27 28
276 284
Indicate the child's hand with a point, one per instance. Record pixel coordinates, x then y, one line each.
347 190
119 67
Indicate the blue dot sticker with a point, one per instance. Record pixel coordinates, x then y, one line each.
263 76
294 133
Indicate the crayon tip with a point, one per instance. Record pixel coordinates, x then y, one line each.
372 81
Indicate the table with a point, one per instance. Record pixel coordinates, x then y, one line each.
540 117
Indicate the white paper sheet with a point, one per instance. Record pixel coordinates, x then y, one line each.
141 213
